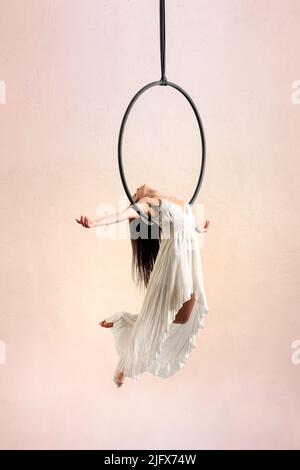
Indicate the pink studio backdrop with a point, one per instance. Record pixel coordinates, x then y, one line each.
70 67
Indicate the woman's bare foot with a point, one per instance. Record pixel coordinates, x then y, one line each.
119 378
106 324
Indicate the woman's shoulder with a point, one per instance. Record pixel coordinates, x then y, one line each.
175 200
146 204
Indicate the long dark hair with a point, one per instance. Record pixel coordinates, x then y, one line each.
145 236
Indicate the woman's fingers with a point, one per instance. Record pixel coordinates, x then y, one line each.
84 221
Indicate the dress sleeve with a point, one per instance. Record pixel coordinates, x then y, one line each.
197 221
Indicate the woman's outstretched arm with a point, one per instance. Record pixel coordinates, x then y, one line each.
116 217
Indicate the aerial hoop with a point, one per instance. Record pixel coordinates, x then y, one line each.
162 82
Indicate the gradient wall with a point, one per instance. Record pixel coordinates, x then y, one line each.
68 69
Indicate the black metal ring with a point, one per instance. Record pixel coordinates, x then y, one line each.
162 82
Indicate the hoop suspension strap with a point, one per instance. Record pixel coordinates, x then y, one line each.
162 21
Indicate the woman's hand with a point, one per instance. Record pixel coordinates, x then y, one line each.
85 222
205 227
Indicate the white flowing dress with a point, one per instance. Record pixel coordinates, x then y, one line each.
150 341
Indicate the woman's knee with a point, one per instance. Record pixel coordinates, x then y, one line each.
184 318
184 313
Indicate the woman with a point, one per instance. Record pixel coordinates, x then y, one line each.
166 259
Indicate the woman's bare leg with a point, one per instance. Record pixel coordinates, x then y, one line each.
185 311
182 315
